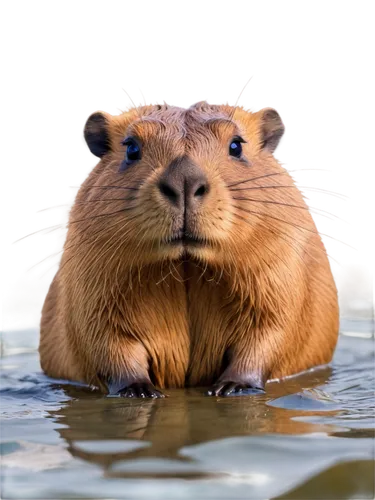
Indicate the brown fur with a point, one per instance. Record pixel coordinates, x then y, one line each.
257 302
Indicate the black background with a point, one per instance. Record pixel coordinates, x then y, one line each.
42 151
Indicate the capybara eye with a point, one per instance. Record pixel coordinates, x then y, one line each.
235 147
133 150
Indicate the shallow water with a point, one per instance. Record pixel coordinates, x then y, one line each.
308 437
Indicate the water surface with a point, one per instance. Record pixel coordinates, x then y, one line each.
308 437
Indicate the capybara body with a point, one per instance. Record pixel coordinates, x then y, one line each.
191 259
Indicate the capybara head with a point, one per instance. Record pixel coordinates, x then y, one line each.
173 183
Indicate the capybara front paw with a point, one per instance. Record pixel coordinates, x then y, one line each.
227 388
140 390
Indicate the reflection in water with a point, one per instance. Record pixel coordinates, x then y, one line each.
188 418
345 480
61 440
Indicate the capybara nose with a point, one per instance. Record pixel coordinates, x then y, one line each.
184 184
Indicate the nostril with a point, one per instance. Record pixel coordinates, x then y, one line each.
201 191
169 192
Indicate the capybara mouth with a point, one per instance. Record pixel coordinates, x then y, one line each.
186 240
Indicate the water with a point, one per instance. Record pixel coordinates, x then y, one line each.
308 437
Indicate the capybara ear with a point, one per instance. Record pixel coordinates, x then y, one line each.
272 129
97 134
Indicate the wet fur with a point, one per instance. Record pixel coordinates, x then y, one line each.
258 302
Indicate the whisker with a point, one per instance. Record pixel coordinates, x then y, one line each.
178 279
204 269
334 238
44 231
130 97
132 188
324 191
317 211
278 233
101 200
48 258
289 239
108 247
117 241
92 217
244 87
163 278
58 206
295 238
326 236
256 178
130 286
264 187
260 214
336 261
93 238
273 203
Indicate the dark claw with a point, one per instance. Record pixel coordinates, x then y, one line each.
127 392
226 388
140 390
